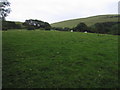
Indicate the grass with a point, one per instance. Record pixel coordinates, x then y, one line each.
53 59
88 21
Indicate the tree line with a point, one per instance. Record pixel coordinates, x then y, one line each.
31 24
102 28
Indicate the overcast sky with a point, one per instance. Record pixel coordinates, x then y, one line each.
58 10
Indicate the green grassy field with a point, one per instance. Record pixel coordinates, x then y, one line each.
88 21
53 59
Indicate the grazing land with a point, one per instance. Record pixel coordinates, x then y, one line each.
89 21
53 59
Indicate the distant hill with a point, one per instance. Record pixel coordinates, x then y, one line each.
88 21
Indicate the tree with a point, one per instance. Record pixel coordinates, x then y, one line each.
81 27
66 29
36 24
115 30
104 27
47 26
10 25
4 11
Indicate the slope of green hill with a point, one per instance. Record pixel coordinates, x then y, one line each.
89 21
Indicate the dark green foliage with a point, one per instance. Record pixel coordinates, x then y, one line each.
93 29
36 24
47 26
31 28
106 28
61 29
66 29
102 27
57 28
4 11
115 29
81 27
10 25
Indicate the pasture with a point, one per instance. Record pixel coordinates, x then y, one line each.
89 21
54 59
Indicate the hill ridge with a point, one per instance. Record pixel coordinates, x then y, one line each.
91 20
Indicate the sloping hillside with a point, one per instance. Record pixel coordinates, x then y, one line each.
89 20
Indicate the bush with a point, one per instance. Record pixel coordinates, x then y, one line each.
57 28
10 25
81 27
30 28
115 29
66 29
106 27
47 26
36 24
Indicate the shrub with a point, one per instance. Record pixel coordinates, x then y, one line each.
30 28
81 27
106 27
10 25
36 24
115 29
